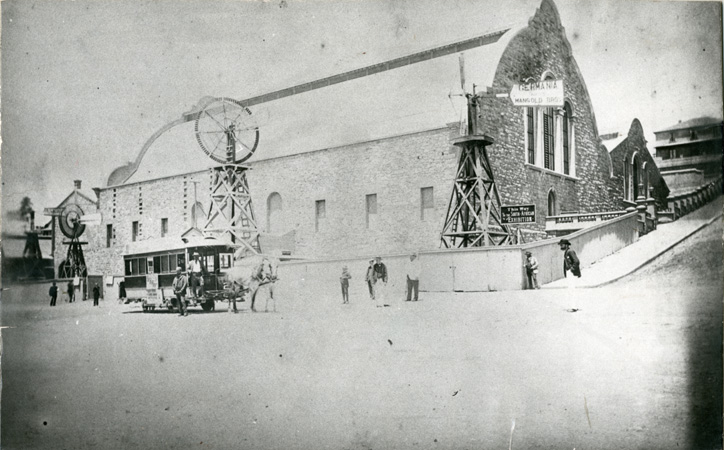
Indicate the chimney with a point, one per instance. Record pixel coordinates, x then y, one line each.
76 183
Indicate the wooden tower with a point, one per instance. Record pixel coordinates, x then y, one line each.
473 216
231 209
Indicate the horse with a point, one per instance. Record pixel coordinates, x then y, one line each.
250 274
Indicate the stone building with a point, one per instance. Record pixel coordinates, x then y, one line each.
333 178
633 169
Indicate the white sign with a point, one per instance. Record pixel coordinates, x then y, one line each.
542 93
152 286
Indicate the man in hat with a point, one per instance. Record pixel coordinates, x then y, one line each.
531 270
96 294
196 271
413 277
179 289
570 259
379 279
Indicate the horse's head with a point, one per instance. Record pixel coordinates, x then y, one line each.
268 268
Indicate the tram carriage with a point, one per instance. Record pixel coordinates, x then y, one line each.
150 267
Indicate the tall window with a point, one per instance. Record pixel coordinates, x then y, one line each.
549 142
371 210
427 205
134 231
164 227
273 212
530 132
626 182
566 139
320 208
109 235
552 206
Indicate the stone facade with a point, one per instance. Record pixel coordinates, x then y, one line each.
390 196
631 152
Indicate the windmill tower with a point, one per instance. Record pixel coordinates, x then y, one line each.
473 216
227 133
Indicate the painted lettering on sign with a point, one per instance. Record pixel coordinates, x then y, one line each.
541 93
513 214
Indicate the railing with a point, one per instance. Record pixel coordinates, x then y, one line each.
573 222
683 203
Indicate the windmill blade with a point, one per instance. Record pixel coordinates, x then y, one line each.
462 71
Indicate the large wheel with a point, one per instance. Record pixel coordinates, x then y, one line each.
208 305
226 131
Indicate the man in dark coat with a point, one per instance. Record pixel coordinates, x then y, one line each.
180 283
53 292
71 291
570 259
96 294
379 279
369 276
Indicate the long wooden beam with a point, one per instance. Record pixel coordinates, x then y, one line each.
414 58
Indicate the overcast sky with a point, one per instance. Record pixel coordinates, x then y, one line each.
85 83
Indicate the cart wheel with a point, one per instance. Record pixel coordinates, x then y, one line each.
208 305
145 308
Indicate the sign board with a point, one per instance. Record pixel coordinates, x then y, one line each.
517 214
541 93
52 211
152 285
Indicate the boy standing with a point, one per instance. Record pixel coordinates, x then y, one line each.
531 269
369 279
344 279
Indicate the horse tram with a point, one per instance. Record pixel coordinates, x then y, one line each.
150 267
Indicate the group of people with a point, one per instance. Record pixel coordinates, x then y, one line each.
53 293
570 263
376 278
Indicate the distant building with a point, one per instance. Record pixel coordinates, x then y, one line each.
26 248
688 147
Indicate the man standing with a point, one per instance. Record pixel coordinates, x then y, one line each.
531 270
53 292
196 276
71 291
570 259
379 279
413 277
369 277
96 294
179 289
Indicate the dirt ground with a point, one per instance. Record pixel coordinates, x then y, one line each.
638 366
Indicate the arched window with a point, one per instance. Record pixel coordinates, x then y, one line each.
273 212
635 177
549 138
550 135
645 180
626 181
552 204
566 137
530 134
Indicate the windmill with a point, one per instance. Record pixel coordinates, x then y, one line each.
227 132
72 228
473 216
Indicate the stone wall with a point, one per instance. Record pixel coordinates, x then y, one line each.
395 170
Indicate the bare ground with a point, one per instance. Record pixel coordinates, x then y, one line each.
638 366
